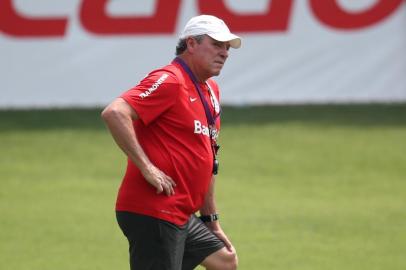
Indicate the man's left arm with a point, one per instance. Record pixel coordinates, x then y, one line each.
209 208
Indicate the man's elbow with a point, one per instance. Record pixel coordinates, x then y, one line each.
118 110
111 112
106 113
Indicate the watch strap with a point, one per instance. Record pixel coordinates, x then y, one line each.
209 218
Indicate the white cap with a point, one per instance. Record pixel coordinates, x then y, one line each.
211 26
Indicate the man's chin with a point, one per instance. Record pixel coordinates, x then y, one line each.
216 72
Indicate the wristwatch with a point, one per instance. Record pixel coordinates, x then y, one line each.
209 218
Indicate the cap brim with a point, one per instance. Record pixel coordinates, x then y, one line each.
235 41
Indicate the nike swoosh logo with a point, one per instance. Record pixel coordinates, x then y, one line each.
192 99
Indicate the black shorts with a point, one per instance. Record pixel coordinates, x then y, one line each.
160 245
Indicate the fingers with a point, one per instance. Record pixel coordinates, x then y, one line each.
162 182
220 234
229 246
159 188
171 180
166 185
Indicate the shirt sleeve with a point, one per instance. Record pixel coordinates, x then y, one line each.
153 96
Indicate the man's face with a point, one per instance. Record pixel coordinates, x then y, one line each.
210 56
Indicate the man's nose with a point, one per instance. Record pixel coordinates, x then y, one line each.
224 52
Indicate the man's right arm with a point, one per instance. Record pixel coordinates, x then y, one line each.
119 117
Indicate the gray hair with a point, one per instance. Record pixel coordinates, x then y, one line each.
182 45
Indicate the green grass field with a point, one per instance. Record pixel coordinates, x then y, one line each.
300 187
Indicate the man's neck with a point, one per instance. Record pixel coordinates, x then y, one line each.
190 63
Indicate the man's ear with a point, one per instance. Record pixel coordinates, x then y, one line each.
191 44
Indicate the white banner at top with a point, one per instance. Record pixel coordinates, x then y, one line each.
87 52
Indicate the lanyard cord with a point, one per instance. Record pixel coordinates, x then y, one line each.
210 118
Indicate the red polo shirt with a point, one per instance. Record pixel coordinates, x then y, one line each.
172 130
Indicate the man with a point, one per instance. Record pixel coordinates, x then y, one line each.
167 125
